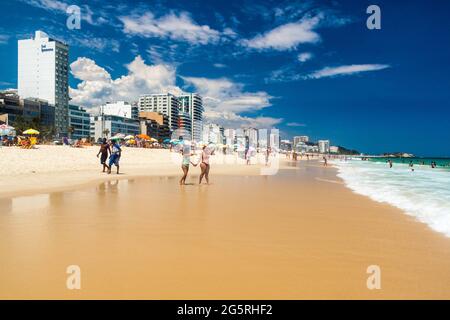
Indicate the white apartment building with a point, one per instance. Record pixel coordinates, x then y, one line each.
230 135
43 73
192 104
252 135
298 139
213 133
167 104
324 146
118 108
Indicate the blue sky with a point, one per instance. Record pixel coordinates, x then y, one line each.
306 67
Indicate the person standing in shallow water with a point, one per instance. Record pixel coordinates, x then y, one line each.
104 151
114 158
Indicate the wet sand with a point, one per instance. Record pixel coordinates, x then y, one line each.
297 235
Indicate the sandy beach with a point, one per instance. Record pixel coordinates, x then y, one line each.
299 234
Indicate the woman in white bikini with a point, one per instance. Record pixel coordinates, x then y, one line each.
204 165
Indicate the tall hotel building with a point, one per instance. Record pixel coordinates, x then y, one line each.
43 73
192 104
167 104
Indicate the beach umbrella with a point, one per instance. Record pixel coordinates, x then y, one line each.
6 130
167 140
129 137
153 140
31 131
116 138
143 136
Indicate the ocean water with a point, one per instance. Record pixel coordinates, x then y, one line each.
423 193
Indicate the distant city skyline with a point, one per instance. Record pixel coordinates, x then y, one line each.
306 67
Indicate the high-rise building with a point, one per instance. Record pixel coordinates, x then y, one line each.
252 135
79 122
167 104
298 139
230 135
213 133
43 73
324 146
185 124
192 104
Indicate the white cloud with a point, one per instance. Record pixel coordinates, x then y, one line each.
97 86
172 26
219 65
51 5
295 124
304 56
225 100
345 70
4 38
287 36
61 7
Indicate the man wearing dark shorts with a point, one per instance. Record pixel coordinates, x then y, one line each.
104 151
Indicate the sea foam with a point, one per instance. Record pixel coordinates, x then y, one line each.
423 193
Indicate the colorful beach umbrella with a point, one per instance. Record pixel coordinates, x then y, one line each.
167 140
31 131
129 137
6 130
143 136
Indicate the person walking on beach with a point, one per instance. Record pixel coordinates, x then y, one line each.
105 150
390 163
204 164
325 161
268 150
114 158
186 153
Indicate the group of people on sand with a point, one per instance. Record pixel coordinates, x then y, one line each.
186 152
114 151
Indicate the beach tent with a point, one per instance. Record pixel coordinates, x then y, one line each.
31 132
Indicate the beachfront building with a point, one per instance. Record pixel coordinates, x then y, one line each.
79 123
334 149
107 126
192 104
167 104
43 73
155 125
12 107
252 135
300 139
185 124
274 139
324 146
213 133
119 108
285 145
229 136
